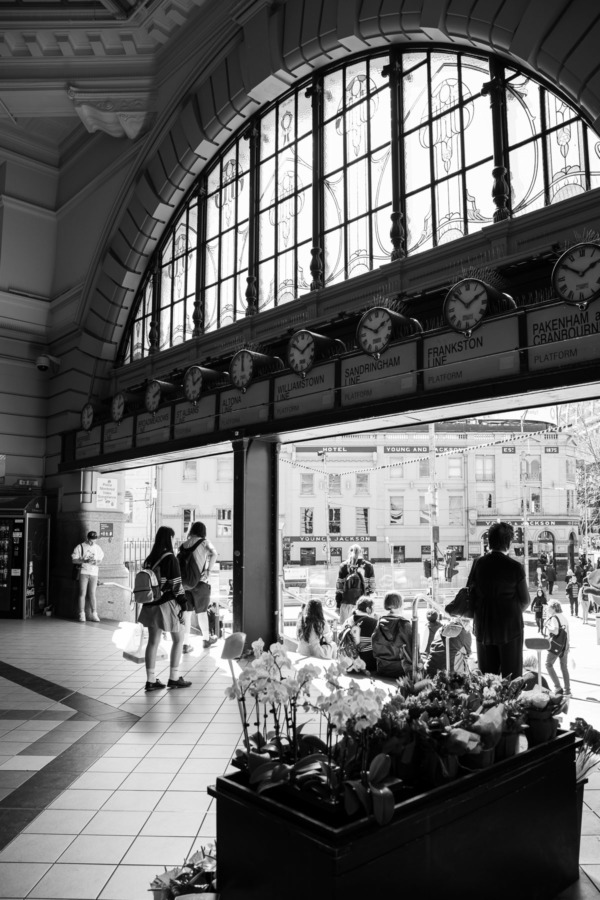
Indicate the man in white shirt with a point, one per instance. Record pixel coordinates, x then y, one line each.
87 556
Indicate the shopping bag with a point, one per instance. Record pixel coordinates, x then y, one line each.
133 639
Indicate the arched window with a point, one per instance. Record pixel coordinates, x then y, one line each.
362 163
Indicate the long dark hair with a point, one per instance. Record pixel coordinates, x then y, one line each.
312 617
163 543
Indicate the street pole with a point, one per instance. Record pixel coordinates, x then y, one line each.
433 519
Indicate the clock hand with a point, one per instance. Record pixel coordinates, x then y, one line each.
470 302
591 266
575 271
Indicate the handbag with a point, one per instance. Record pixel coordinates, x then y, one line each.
201 595
75 572
463 604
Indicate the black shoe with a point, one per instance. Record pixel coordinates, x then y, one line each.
212 640
157 686
187 648
180 683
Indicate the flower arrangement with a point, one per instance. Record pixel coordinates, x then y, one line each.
197 875
588 752
357 747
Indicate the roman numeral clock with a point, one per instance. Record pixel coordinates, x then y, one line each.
576 274
470 301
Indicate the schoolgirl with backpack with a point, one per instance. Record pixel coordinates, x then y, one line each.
196 558
557 630
160 609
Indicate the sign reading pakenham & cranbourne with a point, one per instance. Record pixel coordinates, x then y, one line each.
295 395
87 443
195 418
560 335
118 435
365 379
238 409
492 350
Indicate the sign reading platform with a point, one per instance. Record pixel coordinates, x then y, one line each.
365 380
238 409
295 395
87 443
198 418
118 435
563 335
451 359
153 428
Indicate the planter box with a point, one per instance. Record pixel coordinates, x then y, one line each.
511 830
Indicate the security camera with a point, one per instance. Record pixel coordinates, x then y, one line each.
45 362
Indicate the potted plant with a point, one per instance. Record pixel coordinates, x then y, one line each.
349 785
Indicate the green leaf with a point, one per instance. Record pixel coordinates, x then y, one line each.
262 772
351 801
379 768
383 804
307 762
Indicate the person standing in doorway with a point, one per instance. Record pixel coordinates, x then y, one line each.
164 614
198 597
500 598
356 578
87 557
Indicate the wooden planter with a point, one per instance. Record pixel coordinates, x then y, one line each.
511 830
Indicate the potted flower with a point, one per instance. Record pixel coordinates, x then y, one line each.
196 876
349 784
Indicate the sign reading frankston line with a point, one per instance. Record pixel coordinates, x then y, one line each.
452 359
199 418
244 409
560 335
295 395
365 379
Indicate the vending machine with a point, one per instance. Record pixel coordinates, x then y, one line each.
24 557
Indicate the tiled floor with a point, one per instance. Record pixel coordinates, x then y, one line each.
102 785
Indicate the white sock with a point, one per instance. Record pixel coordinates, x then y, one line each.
150 675
174 673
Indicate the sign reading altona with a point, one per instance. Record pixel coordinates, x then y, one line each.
492 351
295 395
195 418
563 335
365 380
238 409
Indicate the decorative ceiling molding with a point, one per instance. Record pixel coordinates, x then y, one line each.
118 113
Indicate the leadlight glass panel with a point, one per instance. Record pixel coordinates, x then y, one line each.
444 159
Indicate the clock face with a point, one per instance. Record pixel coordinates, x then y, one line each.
118 407
374 330
152 398
576 275
466 304
192 383
301 352
87 416
241 369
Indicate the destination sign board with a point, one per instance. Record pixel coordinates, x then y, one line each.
195 418
365 379
118 435
295 395
492 351
153 428
561 335
87 443
238 409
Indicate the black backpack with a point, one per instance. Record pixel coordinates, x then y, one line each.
349 639
354 587
190 573
558 641
392 646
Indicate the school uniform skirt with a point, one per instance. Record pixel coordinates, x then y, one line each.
163 616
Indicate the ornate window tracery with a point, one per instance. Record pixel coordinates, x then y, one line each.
372 159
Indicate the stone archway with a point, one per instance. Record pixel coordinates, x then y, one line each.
295 38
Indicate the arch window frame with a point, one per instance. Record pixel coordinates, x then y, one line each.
262 201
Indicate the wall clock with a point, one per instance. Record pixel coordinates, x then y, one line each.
193 380
576 274
247 364
305 347
377 327
117 407
87 416
470 301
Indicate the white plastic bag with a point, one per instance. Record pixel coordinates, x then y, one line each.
132 639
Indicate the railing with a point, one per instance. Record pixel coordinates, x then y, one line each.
135 552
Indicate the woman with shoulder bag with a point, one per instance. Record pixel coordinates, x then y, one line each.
164 614
198 597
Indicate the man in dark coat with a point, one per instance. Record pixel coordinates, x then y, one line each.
501 596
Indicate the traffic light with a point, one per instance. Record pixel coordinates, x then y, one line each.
427 568
451 569
518 535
